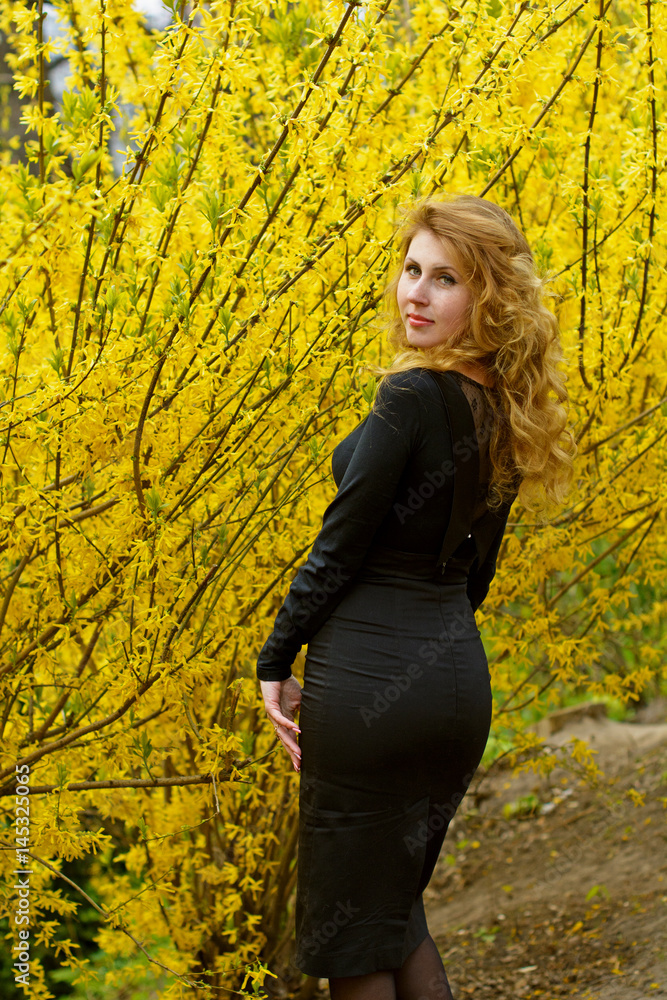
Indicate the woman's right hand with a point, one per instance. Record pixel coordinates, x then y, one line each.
282 700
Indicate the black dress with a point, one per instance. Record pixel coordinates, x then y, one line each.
396 702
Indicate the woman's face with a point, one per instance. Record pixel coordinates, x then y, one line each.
432 297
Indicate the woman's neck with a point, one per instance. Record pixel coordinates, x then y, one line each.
476 373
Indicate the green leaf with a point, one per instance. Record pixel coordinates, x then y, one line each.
212 208
113 297
368 391
597 890
56 359
154 502
81 166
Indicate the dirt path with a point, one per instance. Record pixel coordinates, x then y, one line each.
571 900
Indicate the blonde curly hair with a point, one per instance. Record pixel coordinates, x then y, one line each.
508 333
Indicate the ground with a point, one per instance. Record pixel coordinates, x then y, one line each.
555 888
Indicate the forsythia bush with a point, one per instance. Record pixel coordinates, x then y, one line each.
182 341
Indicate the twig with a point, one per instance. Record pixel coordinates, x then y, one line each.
119 926
586 206
598 559
11 586
567 76
83 786
619 430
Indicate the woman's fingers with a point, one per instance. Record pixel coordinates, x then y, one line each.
281 700
290 744
278 719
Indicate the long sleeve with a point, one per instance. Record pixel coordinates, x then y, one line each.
366 494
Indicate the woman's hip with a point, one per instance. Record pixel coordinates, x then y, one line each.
392 680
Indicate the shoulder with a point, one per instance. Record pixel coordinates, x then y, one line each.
408 401
408 388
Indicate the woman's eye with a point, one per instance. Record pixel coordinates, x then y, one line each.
412 269
447 279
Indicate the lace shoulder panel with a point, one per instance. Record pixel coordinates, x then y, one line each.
484 416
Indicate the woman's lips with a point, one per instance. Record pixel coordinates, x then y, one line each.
414 319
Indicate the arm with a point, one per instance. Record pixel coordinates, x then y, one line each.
366 494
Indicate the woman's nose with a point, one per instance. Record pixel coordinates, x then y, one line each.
418 291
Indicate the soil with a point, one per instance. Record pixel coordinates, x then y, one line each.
555 886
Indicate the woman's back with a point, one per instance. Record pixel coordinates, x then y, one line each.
411 425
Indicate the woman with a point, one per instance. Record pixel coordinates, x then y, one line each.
396 702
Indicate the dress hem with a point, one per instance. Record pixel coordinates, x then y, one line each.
387 960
